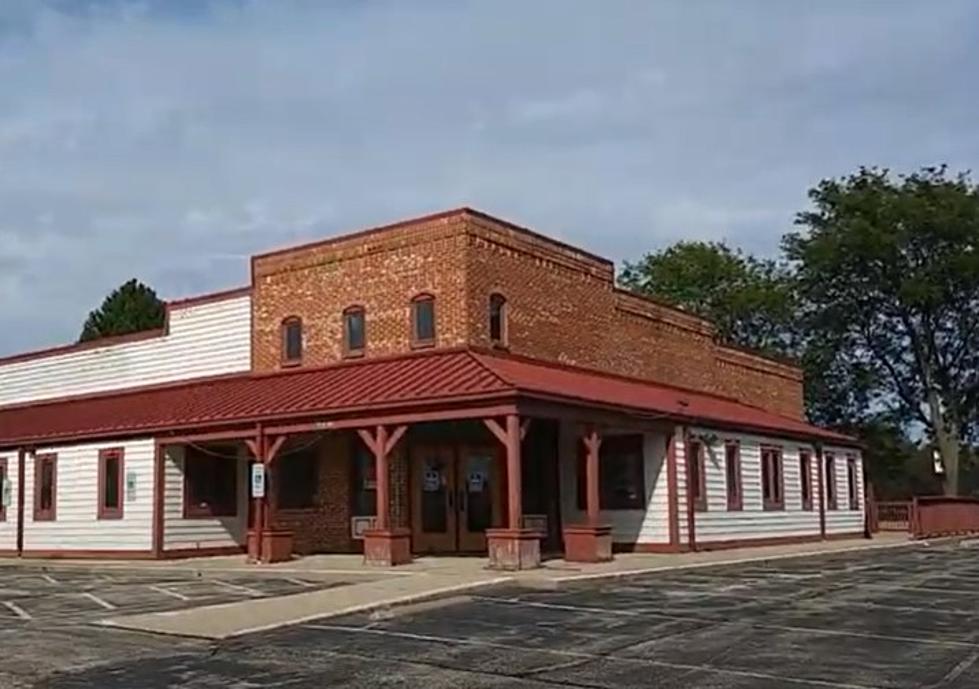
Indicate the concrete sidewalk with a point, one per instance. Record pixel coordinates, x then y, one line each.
424 579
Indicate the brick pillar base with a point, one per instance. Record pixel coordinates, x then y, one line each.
387 547
587 543
512 549
270 545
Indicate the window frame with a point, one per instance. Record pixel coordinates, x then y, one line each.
4 477
735 499
50 514
418 342
829 472
696 459
313 456
197 511
772 503
285 356
805 480
350 352
853 488
499 309
118 453
630 443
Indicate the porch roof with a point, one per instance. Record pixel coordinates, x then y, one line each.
438 379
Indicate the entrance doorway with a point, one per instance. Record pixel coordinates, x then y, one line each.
456 494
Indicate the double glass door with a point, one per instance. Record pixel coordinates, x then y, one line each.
456 496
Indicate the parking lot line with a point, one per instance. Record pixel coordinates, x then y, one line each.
299 582
16 609
583 655
50 579
238 588
99 601
168 592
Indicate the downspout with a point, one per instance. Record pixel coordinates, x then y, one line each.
691 516
821 472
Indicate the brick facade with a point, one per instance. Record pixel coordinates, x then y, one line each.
562 305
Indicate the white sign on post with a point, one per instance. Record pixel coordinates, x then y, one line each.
258 480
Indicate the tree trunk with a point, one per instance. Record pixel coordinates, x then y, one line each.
948 448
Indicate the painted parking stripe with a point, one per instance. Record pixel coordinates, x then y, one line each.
50 579
237 588
583 655
98 601
299 582
16 609
168 592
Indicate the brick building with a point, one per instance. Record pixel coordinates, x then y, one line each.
453 383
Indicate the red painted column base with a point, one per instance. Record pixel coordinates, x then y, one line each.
270 545
513 549
587 543
387 547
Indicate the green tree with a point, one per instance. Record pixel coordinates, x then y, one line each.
749 300
888 278
130 308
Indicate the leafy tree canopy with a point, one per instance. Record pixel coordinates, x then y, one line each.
749 300
131 308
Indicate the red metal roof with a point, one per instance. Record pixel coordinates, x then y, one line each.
443 378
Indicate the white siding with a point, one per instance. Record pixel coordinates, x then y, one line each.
8 528
844 520
717 523
180 533
650 525
206 339
77 526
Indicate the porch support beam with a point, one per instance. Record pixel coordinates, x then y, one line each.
591 541
384 545
513 547
266 544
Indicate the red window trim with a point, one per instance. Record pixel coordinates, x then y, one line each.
3 483
778 503
285 359
805 479
853 487
192 511
735 499
417 342
105 455
348 351
700 497
832 495
51 514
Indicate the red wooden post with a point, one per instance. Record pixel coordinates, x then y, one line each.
514 476
383 479
384 545
593 443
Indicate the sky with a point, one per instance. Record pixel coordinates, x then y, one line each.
169 141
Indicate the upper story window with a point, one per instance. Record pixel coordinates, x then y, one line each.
354 331
498 319
423 321
292 341
772 486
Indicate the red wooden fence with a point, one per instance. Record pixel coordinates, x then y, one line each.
893 516
938 515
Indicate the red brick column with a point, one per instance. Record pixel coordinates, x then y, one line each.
590 542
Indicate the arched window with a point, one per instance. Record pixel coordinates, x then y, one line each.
423 321
292 341
498 319
354 331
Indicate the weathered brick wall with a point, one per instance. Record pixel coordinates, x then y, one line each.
563 306
380 271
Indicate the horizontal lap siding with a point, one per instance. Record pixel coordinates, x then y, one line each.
77 526
717 523
845 520
203 340
8 528
628 526
181 533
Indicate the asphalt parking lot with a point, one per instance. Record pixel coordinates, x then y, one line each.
888 618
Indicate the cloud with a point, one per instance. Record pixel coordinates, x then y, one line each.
169 140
